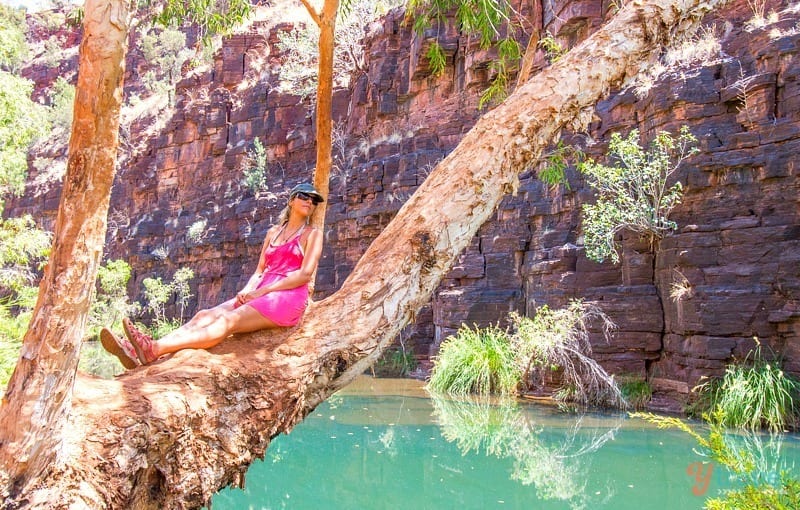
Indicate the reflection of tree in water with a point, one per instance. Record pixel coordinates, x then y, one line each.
558 469
762 452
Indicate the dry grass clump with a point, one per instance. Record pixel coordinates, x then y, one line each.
702 48
559 340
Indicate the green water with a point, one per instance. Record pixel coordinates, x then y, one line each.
369 449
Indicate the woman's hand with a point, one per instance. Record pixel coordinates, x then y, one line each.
246 296
242 298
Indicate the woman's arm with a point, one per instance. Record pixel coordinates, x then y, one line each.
313 251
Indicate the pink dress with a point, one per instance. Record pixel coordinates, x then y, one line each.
283 307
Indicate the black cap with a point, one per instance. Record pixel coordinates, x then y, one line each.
308 189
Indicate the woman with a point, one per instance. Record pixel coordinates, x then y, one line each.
275 296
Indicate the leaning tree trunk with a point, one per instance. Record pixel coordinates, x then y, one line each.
38 398
169 435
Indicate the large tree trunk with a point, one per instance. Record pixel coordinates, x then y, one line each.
38 399
170 434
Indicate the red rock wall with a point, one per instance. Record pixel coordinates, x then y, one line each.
737 246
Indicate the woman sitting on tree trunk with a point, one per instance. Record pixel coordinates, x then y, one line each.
275 296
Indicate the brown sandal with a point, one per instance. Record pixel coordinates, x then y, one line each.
119 347
143 344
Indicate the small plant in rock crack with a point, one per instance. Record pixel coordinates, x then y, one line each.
636 193
254 168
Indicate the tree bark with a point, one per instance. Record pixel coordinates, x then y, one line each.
327 44
39 394
326 21
526 66
171 434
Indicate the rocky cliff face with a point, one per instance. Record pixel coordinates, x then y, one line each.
731 271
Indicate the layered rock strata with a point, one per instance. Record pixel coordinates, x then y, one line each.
684 310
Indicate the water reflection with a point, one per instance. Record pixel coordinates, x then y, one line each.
765 454
385 445
556 463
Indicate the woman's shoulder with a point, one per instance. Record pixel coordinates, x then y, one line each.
271 233
310 231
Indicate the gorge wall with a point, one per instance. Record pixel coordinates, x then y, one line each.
731 271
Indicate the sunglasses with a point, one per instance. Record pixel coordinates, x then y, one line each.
305 197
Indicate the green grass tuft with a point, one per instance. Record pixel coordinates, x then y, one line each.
636 390
754 394
479 360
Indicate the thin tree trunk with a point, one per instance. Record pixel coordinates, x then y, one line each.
526 67
327 43
326 21
39 395
169 435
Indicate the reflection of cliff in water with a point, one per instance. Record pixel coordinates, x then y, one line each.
552 459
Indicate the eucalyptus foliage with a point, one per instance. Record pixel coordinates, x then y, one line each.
22 248
13 47
552 48
553 166
182 289
165 50
157 293
12 326
211 17
111 302
509 54
636 193
490 20
21 122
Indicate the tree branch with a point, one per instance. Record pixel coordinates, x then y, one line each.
314 14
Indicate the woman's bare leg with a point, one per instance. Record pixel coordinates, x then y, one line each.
205 317
212 328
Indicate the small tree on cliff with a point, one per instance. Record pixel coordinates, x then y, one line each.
634 194
169 435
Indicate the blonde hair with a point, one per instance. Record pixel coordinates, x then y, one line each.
283 217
